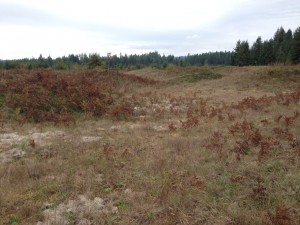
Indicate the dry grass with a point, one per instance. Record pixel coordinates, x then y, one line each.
192 153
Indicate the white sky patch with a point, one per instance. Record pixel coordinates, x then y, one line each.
31 41
61 27
194 36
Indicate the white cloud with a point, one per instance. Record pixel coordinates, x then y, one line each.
31 27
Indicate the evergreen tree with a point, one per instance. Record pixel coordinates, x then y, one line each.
242 54
49 61
278 44
94 61
296 46
287 46
73 59
268 55
42 62
235 57
256 52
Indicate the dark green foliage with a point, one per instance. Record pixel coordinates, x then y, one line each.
256 52
268 56
287 46
242 54
42 62
153 59
295 53
210 58
279 37
60 66
10 65
284 47
94 61
194 77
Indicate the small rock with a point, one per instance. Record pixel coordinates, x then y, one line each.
114 209
12 154
90 138
98 201
128 191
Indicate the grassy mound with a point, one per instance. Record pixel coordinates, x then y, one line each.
46 95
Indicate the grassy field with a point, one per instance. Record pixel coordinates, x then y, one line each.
181 145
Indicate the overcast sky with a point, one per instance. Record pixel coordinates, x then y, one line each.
61 27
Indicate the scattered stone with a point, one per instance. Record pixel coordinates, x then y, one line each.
117 127
134 126
82 208
9 139
90 138
128 191
42 138
160 128
12 154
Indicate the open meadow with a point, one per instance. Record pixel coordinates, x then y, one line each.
180 145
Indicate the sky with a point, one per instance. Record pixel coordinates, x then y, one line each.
56 28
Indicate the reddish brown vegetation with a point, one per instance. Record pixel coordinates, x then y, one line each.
260 191
282 216
190 122
242 147
238 179
200 108
216 143
246 134
122 111
108 151
172 127
45 95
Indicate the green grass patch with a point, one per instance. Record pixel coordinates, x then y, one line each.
194 77
122 205
2 99
14 220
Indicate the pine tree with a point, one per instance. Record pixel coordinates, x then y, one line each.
42 62
256 52
296 46
49 61
242 54
278 44
94 61
235 58
268 55
287 46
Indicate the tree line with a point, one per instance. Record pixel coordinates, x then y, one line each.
284 47
119 61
